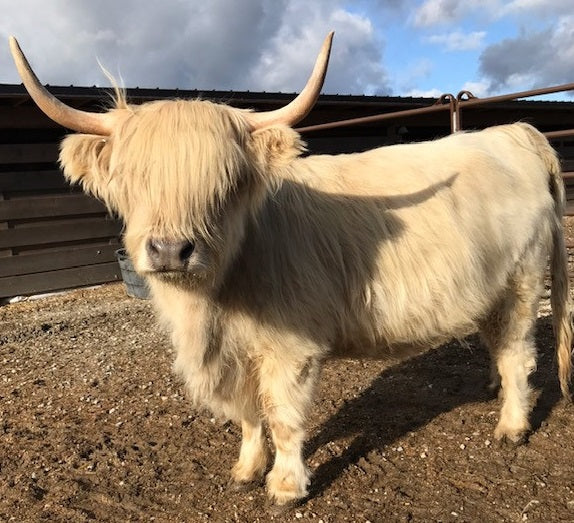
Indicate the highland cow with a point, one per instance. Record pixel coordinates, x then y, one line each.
264 263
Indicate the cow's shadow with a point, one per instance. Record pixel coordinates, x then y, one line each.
405 397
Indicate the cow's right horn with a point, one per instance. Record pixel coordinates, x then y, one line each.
300 107
82 121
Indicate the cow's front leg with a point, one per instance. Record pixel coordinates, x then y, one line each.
253 456
287 388
289 477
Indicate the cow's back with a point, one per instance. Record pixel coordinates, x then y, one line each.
401 246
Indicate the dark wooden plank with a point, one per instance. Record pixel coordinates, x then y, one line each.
28 153
32 180
49 206
56 260
59 280
72 231
565 150
25 117
3 227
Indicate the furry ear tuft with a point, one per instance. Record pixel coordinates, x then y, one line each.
275 147
85 159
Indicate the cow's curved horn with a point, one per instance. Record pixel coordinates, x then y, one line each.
296 110
90 123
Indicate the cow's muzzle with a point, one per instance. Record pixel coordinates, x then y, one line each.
169 255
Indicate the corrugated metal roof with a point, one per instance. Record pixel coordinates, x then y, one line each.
71 92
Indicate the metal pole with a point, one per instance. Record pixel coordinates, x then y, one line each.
552 135
374 118
460 103
522 94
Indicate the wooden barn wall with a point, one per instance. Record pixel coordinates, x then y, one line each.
53 237
565 149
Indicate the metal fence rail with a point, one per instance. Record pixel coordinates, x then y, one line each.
454 104
52 237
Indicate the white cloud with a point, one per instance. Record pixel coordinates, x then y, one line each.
479 88
458 40
424 93
217 44
533 59
356 61
271 45
411 75
432 13
528 7
442 12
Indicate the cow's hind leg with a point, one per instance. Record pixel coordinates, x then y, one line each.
509 334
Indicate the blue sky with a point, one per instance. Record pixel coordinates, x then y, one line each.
436 46
394 47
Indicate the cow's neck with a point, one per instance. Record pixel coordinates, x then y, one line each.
194 320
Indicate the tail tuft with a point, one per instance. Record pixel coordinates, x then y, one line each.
560 297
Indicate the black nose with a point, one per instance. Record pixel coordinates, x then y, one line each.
169 255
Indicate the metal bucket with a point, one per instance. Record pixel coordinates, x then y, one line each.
136 286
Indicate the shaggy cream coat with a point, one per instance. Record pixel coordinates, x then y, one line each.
296 259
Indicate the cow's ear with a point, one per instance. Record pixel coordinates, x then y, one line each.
85 159
275 147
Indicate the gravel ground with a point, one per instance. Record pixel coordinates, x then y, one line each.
94 427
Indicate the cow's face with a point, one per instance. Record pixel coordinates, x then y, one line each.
184 176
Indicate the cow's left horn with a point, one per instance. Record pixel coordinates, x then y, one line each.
82 121
300 107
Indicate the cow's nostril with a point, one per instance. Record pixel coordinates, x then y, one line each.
153 248
186 251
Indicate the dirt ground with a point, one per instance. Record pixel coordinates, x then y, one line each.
94 427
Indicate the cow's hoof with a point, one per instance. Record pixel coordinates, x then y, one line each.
513 442
276 509
511 438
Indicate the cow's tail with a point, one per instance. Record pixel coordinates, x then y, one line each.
560 293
